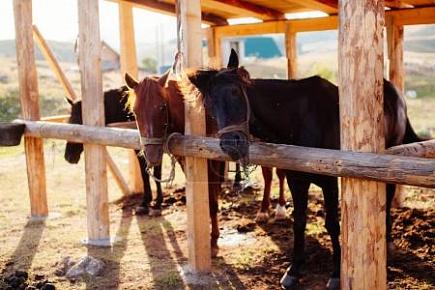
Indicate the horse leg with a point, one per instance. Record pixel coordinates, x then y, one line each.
299 191
263 213
391 188
280 211
214 187
330 195
156 209
143 208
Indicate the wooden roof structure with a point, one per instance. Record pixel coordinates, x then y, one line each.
217 12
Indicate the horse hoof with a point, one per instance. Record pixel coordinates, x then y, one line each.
214 251
262 217
155 212
289 282
280 212
333 284
141 210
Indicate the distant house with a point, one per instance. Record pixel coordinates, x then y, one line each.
258 47
110 59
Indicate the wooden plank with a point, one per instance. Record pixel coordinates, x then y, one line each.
29 98
129 64
169 8
380 167
291 53
363 253
327 7
93 114
54 65
195 169
246 8
116 173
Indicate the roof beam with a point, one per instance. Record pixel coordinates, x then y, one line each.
396 4
252 9
327 6
168 8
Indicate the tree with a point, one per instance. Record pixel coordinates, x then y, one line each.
150 64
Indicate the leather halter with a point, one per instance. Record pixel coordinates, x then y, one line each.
243 126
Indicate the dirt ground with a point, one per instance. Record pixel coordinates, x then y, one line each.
150 253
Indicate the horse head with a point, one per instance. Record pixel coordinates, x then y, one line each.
149 104
226 101
74 150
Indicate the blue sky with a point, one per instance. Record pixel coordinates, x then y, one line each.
58 20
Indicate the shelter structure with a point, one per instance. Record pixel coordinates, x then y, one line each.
360 23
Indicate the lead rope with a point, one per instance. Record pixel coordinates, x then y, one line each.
171 176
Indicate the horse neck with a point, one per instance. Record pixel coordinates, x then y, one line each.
175 103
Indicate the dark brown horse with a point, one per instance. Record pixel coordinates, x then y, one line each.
298 112
115 110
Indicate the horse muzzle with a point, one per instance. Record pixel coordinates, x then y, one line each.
153 155
235 144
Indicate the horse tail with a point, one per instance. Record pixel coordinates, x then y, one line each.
410 135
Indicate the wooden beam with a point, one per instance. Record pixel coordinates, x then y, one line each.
329 7
93 114
425 149
291 53
195 169
169 8
363 253
379 167
246 8
29 97
116 173
129 64
54 65
413 16
402 17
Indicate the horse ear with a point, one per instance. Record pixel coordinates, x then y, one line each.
244 75
69 101
233 62
164 78
130 81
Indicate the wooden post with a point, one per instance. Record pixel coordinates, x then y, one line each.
214 59
54 65
291 52
396 76
361 115
198 219
129 64
29 97
93 114
395 54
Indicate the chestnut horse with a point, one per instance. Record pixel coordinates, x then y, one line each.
159 111
298 112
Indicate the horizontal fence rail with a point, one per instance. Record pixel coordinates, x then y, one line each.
380 167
